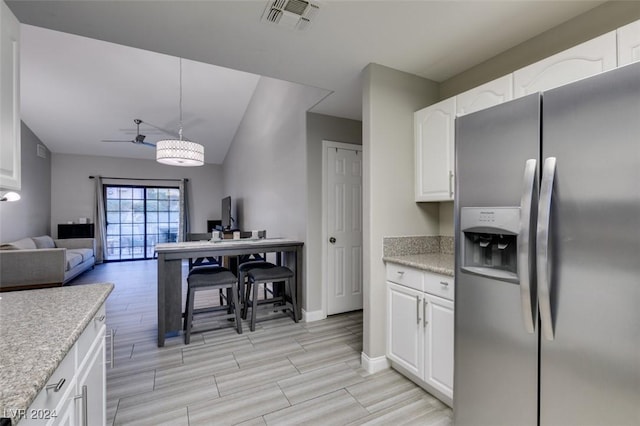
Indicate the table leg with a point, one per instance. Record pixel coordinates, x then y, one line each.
169 297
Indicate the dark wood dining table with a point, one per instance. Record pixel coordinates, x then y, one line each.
170 256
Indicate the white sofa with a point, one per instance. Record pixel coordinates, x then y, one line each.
44 262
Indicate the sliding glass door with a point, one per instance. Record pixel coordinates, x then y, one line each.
139 217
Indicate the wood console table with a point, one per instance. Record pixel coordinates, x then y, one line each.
170 257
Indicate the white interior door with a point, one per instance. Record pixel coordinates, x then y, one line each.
344 229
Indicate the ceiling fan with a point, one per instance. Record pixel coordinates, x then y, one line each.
138 140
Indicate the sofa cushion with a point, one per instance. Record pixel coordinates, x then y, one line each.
23 244
86 253
73 260
44 241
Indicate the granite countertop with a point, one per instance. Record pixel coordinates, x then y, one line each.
439 263
37 330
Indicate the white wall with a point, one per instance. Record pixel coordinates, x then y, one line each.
73 192
389 99
29 217
321 127
265 171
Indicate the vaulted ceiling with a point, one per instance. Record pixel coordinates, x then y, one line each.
90 67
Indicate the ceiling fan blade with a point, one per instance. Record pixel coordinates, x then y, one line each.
113 140
147 144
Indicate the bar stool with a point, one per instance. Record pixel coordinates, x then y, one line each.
279 300
212 278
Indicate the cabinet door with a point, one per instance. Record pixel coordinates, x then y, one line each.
584 60
438 344
10 99
489 94
404 328
66 416
92 374
629 43
434 151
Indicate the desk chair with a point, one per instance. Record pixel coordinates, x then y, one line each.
212 278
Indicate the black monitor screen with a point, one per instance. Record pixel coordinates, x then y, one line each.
226 213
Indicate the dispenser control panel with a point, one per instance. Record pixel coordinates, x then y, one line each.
489 241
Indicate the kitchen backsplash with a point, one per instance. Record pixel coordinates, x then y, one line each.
404 246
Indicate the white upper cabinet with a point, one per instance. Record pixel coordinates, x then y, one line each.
434 151
10 99
487 95
629 43
584 60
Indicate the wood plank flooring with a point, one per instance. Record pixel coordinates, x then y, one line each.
281 374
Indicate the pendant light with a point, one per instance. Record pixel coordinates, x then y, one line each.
180 152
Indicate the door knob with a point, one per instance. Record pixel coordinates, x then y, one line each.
332 240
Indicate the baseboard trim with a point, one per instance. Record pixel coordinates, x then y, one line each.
373 365
312 316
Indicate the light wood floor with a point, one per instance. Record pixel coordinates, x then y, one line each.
281 374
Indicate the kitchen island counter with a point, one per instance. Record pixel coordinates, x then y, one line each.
37 330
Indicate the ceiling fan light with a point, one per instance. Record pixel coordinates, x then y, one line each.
179 153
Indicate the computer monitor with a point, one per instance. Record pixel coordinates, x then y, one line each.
227 220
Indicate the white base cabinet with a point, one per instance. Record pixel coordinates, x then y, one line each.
76 392
420 328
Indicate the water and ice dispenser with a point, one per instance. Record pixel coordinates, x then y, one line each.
490 241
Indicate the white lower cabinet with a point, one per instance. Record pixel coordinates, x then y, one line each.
75 395
420 328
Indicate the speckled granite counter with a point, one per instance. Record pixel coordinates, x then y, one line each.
439 263
37 329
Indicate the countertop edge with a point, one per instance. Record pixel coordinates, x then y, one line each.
430 263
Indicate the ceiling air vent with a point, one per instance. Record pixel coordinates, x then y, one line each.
291 14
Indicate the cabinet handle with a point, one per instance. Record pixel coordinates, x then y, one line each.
99 319
85 405
444 283
450 184
424 311
418 309
400 272
111 346
56 386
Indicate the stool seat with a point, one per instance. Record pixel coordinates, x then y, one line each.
210 276
269 274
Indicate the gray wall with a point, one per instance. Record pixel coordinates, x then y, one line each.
389 99
591 24
321 127
29 217
265 171
73 192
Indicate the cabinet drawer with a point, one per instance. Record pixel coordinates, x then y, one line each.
405 276
439 285
48 400
90 333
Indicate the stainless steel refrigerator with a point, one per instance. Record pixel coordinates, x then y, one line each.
547 304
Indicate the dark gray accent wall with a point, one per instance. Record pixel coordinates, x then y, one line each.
30 215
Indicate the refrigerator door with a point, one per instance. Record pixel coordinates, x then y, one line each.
590 361
496 356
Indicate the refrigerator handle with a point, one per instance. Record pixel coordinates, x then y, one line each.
542 247
529 196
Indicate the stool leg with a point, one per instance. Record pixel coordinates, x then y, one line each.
186 307
236 308
247 299
241 292
189 318
292 292
254 306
